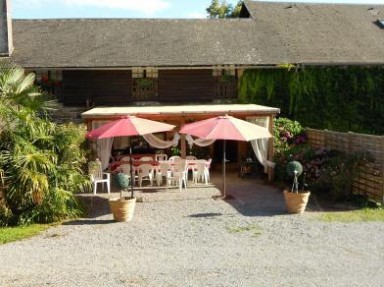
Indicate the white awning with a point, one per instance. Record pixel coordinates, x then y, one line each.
183 110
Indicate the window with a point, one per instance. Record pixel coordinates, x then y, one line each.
144 84
50 81
226 82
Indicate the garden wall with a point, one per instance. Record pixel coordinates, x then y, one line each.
370 181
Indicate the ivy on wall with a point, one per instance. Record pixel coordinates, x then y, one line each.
335 98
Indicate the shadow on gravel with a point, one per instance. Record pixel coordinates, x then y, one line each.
252 196
208 214
268 201
88 222
94 205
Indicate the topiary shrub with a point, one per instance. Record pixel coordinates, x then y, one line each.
122 180
294 170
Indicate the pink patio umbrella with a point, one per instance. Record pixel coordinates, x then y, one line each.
128 126
225 128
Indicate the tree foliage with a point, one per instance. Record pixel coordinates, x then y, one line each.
222 9
340 99
41 161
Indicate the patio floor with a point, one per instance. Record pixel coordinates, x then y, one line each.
250 195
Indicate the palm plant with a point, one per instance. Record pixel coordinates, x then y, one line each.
42 161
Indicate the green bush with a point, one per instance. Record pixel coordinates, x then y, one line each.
5 215
338 173
305 154
287 133
326 171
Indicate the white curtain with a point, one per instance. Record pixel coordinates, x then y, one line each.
260 146
154 141
103 146
199 141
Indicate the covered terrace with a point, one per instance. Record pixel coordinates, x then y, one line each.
178 115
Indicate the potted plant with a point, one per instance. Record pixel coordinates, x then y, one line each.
296 200
122 208
175 151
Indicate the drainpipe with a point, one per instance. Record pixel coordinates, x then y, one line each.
6 39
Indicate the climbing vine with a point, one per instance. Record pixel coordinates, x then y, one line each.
341 99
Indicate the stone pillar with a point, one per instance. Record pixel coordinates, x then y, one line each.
6 41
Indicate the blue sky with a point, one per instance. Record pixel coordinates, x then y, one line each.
127 8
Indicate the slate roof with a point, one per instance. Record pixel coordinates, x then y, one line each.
131 42
324 33
275 33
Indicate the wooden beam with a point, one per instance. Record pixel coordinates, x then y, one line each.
183 146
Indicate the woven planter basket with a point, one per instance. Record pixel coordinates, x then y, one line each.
122 208
296 202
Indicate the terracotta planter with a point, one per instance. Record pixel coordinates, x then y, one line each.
122 208
296 202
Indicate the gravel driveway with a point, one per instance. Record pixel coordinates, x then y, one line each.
191 239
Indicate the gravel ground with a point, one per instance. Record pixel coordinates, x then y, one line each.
192 239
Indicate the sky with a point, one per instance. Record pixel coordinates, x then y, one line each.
39 9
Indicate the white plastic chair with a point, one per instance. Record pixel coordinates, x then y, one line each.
175 158
179 174
200 172
146 159
98 176
163 170
145 171
190 157
161 157
125 158
190 161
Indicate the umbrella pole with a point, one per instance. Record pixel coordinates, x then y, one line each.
224 179
131 170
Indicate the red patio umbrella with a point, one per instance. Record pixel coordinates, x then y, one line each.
225 128
128 126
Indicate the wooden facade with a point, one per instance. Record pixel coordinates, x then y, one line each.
93 88
96 88
184 86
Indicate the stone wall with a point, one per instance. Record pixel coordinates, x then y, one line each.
68 114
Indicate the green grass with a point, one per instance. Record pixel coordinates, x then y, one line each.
9 234
254 229
366 214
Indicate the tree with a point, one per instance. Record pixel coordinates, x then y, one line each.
40 161
221 9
